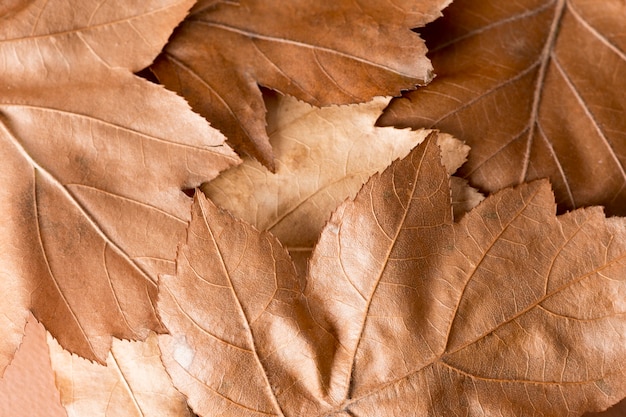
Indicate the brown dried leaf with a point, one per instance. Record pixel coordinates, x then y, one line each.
134 382
335 52
93 159
512 311
323 157
537 88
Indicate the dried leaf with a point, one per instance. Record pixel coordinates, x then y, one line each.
537 88
325 53
323 157
512 311
133 384
27 387
93 160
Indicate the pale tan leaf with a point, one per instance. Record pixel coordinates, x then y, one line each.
27 387
323 156
133 383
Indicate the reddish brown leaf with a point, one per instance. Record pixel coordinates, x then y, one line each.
537 88
324 53
93 160
511 312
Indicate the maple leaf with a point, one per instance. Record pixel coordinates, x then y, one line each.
324 53
537 89
511 311
133 384
323 157
93 162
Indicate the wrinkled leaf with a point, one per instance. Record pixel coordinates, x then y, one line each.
511 311
324 53
537 88
323 157
93 160
134 382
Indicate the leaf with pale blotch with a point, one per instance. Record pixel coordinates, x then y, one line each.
511 311
133 383
323 157
325 53
93 162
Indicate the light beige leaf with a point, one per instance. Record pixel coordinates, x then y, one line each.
133 384
323 156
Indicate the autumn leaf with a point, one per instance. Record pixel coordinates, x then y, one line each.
511 311
27 387
133 384
537 88
93 162
324 53
323 157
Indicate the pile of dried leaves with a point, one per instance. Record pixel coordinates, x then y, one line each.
354 273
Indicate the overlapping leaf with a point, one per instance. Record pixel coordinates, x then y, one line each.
323 157
512 311
537 88
93 160
27 386
133 383
324 53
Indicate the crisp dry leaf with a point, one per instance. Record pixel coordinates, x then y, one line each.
93 161
27 387
329 52
512 311
323 157
537 88
133 383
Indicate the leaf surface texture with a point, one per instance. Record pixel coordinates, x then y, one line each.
537 89
404 311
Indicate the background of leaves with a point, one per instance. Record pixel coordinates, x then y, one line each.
548 58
